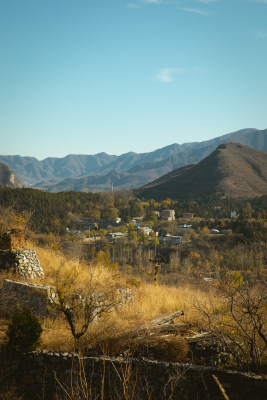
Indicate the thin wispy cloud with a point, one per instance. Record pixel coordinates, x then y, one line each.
153 1
207 1
194 11
176 3
168 75
141 3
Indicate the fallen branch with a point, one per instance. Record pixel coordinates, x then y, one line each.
167 319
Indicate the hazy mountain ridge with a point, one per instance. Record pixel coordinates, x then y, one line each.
94 172
232 170
31 171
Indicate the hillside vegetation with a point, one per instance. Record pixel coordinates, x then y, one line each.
129 327
54 212
218 281
80 277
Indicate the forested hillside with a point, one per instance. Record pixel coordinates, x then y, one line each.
53 212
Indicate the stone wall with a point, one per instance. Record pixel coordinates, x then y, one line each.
38 375
40 297
37 297
23 262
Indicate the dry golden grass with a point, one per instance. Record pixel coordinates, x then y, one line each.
56 335
4 274
57 267
150 301
52 261
129 328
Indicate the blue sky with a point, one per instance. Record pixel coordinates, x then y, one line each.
86 76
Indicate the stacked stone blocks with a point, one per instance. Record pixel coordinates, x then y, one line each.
14 258
37 297
43 299
22 262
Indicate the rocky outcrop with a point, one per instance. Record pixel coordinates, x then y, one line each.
7 178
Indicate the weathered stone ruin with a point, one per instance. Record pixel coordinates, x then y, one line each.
36 297
40 298
22 262
15 258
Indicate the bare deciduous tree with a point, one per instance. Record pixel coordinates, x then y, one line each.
83 298
238 318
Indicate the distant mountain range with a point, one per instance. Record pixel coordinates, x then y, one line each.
232 170
7 178
127 171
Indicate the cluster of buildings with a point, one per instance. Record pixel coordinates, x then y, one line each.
139 226
136 225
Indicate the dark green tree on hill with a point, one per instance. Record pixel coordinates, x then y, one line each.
24 331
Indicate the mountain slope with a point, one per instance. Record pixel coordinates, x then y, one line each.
7 178
232 170
197 151
141 173
92 172
31 171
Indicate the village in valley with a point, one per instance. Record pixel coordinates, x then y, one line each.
87 229
109 280
133 200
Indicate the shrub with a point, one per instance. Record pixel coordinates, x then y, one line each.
24 331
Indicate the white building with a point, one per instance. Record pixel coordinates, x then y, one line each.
234 214
167 215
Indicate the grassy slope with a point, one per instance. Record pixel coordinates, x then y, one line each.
150 301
